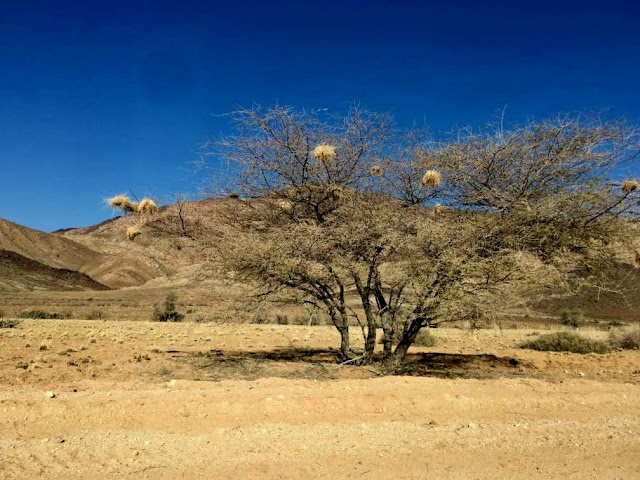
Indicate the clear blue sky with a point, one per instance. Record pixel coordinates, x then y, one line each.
97 98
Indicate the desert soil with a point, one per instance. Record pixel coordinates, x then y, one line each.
109 399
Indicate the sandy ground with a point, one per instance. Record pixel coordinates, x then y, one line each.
143 400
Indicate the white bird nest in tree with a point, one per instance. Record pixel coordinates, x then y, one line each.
431 178
324 153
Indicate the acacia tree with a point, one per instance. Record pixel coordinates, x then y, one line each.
336 210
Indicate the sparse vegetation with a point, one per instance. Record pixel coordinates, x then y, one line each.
42 315
96 314
168 312
567 342
628 340
259 317
424 339
573 318
8 322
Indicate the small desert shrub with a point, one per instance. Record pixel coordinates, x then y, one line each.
310 320
259 317
282 319
7 323
95 315
629 340
615 324
566 342
573 318
201 319
41 315
168 312
425 339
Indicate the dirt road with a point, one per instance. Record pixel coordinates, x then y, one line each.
132 424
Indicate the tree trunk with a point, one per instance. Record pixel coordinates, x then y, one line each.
386 319
370 343
397 357
345 349
387 341
340 320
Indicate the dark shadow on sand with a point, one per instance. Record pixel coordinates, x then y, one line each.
427 364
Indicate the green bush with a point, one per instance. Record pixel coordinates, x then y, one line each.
566 342
573 318
168 312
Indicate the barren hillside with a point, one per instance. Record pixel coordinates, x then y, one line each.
19 273
115 266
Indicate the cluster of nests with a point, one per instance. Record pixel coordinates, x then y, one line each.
327 153
124 203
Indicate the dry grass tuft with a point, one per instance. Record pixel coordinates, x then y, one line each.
630 186
376 170
431 178
133 232
122 202
324 153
